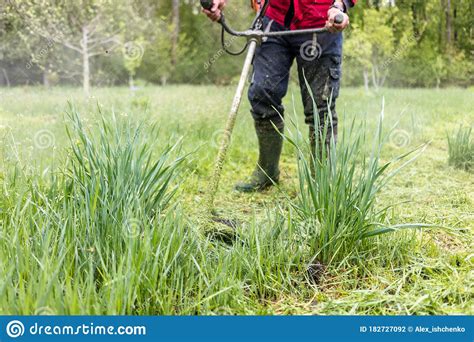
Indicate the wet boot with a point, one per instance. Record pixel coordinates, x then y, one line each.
267 172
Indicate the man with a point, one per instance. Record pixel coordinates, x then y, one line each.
318 59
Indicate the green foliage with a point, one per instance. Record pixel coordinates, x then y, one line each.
104 233
159 56
404 46
374 43
410 44
113 176
62 254
338 190
461 148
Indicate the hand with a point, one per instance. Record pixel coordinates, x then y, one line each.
331 25
215 12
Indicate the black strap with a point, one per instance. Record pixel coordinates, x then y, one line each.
290 14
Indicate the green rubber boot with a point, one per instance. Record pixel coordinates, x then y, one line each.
267 172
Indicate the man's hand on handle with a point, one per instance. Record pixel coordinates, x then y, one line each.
215 12
331 24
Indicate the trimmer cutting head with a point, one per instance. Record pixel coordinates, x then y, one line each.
222 229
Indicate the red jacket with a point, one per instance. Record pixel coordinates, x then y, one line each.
307 13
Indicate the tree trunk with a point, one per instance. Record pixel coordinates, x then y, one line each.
45 78
131 83
366 80
382 79
175 34
448 22
375 80
455 20
164 80
5 75
441 34
85 62
415 21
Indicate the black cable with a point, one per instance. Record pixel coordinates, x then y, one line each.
231 52
256 24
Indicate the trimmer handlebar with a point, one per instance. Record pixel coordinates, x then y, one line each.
252 33
206 4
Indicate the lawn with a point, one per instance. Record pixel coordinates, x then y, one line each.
63 250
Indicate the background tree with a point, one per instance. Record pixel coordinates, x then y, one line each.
175 22
375 45
408 43
133 55
88 27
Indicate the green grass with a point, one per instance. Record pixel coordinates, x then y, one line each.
108 218
461 148
338 189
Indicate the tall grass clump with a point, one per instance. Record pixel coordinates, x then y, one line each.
338 187
118 188
461 148
100 231
115 180
105 234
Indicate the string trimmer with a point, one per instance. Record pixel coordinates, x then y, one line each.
255 36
